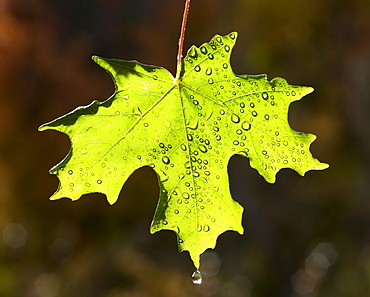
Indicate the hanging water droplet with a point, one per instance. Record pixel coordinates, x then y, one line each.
196 277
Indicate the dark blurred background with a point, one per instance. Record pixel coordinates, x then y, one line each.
303 236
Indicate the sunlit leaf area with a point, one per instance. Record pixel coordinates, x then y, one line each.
303 236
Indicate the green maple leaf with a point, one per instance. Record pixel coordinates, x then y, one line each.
186 129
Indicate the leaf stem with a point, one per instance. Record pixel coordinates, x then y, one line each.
182 37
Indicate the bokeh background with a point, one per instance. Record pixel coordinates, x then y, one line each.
303 236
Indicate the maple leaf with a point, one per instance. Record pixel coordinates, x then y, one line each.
186 129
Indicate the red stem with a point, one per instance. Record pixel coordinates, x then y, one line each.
182 37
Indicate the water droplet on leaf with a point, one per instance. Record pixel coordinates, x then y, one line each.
235 118
166 160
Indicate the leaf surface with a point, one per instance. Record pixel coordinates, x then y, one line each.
186 129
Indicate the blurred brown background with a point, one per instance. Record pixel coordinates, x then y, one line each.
303 236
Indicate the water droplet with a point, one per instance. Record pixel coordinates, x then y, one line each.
265 95
197 68
254 113
203 49
195 102
164 222
227 48
232 35
185 195
246 126
183 147
99 181
252 105
209 71
210 56
196 277
70 172
210 81
293 93
190 137
193 52
206 228
202 148
267 117
176 211
235 118
225 65
166 160
155 77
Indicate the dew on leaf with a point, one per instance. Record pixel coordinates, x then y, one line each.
225 65
183 147
206 228
265 95
166 160
254 113
246 126
99 181
210 81
185 195
267 117
227 48
155 77
235 119
197 68
209 71
193 53
203 49
203 148
70 172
